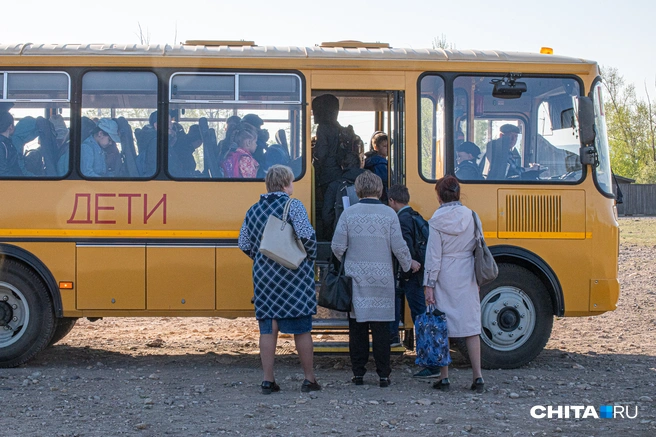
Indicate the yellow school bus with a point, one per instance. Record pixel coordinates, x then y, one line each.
148 226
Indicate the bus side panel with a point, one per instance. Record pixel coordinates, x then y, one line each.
111 277
234 280
181 278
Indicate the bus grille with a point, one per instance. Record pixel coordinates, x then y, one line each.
533 213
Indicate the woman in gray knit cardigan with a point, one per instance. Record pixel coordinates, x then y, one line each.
371 232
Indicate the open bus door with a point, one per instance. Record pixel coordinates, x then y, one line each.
367 112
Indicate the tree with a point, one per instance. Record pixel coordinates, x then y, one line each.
442 43
631 127
144 38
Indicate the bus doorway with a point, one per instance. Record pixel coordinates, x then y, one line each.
362 114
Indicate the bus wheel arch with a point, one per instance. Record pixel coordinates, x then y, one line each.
505 254
517 309
27 318
10 252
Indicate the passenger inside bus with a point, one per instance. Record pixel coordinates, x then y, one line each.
227 144
325 110
147 145
262 138
93 151
8 154
502 160
62 136
240 162
29 161
376 159
467 168
181 160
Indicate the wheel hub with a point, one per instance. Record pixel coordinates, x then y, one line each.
507 317
14 314
6 313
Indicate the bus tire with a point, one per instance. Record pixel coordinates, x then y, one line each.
516 318
27 319
63 326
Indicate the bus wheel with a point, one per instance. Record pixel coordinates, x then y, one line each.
63 326
516 317
27 319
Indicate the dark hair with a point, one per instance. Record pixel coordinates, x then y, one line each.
325 109
253 119
399 193
193 134
233 120
152 119
351 160
6 120
448 189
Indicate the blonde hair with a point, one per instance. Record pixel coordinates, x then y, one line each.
368 184
278 177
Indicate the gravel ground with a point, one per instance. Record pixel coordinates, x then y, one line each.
199 376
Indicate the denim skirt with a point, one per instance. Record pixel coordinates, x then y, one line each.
295 325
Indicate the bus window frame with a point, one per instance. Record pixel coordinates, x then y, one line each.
611 195
40 70
78 132
449 151
302 110
5 74
448 119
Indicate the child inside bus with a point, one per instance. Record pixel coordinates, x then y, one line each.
94 148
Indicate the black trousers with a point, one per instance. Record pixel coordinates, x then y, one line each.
359 347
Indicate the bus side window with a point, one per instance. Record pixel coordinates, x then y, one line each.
110 99
34 107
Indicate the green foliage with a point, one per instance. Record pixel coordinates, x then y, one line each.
630 122
647 174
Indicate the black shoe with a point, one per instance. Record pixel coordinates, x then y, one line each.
384 382
442 384
269 387
478 385
357 380
309 386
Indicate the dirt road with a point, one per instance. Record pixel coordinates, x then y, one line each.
170 376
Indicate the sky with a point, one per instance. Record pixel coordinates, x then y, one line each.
615 34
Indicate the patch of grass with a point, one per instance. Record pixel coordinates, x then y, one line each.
638 230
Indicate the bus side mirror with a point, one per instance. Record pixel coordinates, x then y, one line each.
587 131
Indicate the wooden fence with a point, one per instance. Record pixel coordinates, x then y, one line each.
639 199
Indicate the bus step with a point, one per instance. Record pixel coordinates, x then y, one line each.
337 324
342 347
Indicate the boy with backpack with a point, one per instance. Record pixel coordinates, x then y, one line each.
415 233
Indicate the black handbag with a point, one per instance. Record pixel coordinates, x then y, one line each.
336 289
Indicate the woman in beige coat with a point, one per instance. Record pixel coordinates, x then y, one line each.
449 278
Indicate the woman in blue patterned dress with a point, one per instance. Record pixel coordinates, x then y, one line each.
285 299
